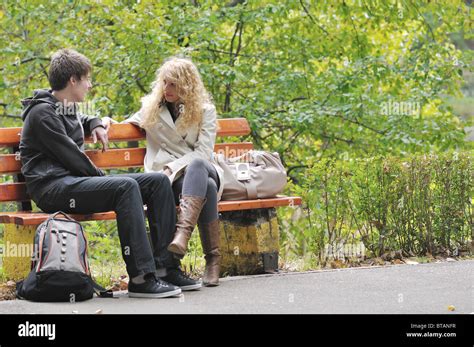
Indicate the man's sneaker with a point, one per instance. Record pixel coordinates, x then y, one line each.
180 279
152 288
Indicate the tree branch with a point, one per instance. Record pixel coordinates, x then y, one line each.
24 61
312 18
232 58
234 3
350 142
291 168
142 88
45 72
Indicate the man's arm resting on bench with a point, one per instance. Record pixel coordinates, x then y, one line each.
52 134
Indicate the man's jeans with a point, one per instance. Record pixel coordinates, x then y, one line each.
125 194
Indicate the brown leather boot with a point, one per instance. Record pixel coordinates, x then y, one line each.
190 207
209 233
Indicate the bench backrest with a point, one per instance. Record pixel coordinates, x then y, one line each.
14 189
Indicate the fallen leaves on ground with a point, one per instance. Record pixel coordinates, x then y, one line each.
119 284
337 264
7 291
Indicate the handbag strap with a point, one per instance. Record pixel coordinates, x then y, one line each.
251 188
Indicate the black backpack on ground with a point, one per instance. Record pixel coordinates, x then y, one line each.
60 267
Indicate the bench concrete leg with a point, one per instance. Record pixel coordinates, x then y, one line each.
18 248
249 242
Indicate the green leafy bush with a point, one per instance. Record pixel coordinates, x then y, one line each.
419 204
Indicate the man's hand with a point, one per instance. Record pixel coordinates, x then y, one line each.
101 134
107 122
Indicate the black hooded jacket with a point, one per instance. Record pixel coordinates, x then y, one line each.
52 142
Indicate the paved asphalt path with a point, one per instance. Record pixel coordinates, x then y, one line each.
407 289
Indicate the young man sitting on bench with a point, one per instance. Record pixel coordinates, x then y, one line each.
60 177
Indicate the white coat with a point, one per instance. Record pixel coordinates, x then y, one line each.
167 147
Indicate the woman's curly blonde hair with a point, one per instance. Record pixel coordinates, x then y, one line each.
189 88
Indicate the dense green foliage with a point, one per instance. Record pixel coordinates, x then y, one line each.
312 76
417 205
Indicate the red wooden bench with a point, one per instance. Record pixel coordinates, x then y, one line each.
21 223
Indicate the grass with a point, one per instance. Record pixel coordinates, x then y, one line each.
108 270
2 275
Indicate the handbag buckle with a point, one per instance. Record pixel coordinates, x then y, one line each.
243 171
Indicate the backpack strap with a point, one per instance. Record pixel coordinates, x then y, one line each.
61 213
101 291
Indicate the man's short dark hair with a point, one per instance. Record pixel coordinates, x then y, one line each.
66 63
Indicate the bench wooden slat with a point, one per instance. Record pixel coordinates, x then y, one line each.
123 157
259 203
126 157
10 137
13 192
35 218
233 127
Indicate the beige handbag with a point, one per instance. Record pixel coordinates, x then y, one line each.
254 175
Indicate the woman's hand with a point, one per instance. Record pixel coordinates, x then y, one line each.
107 121
168 172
